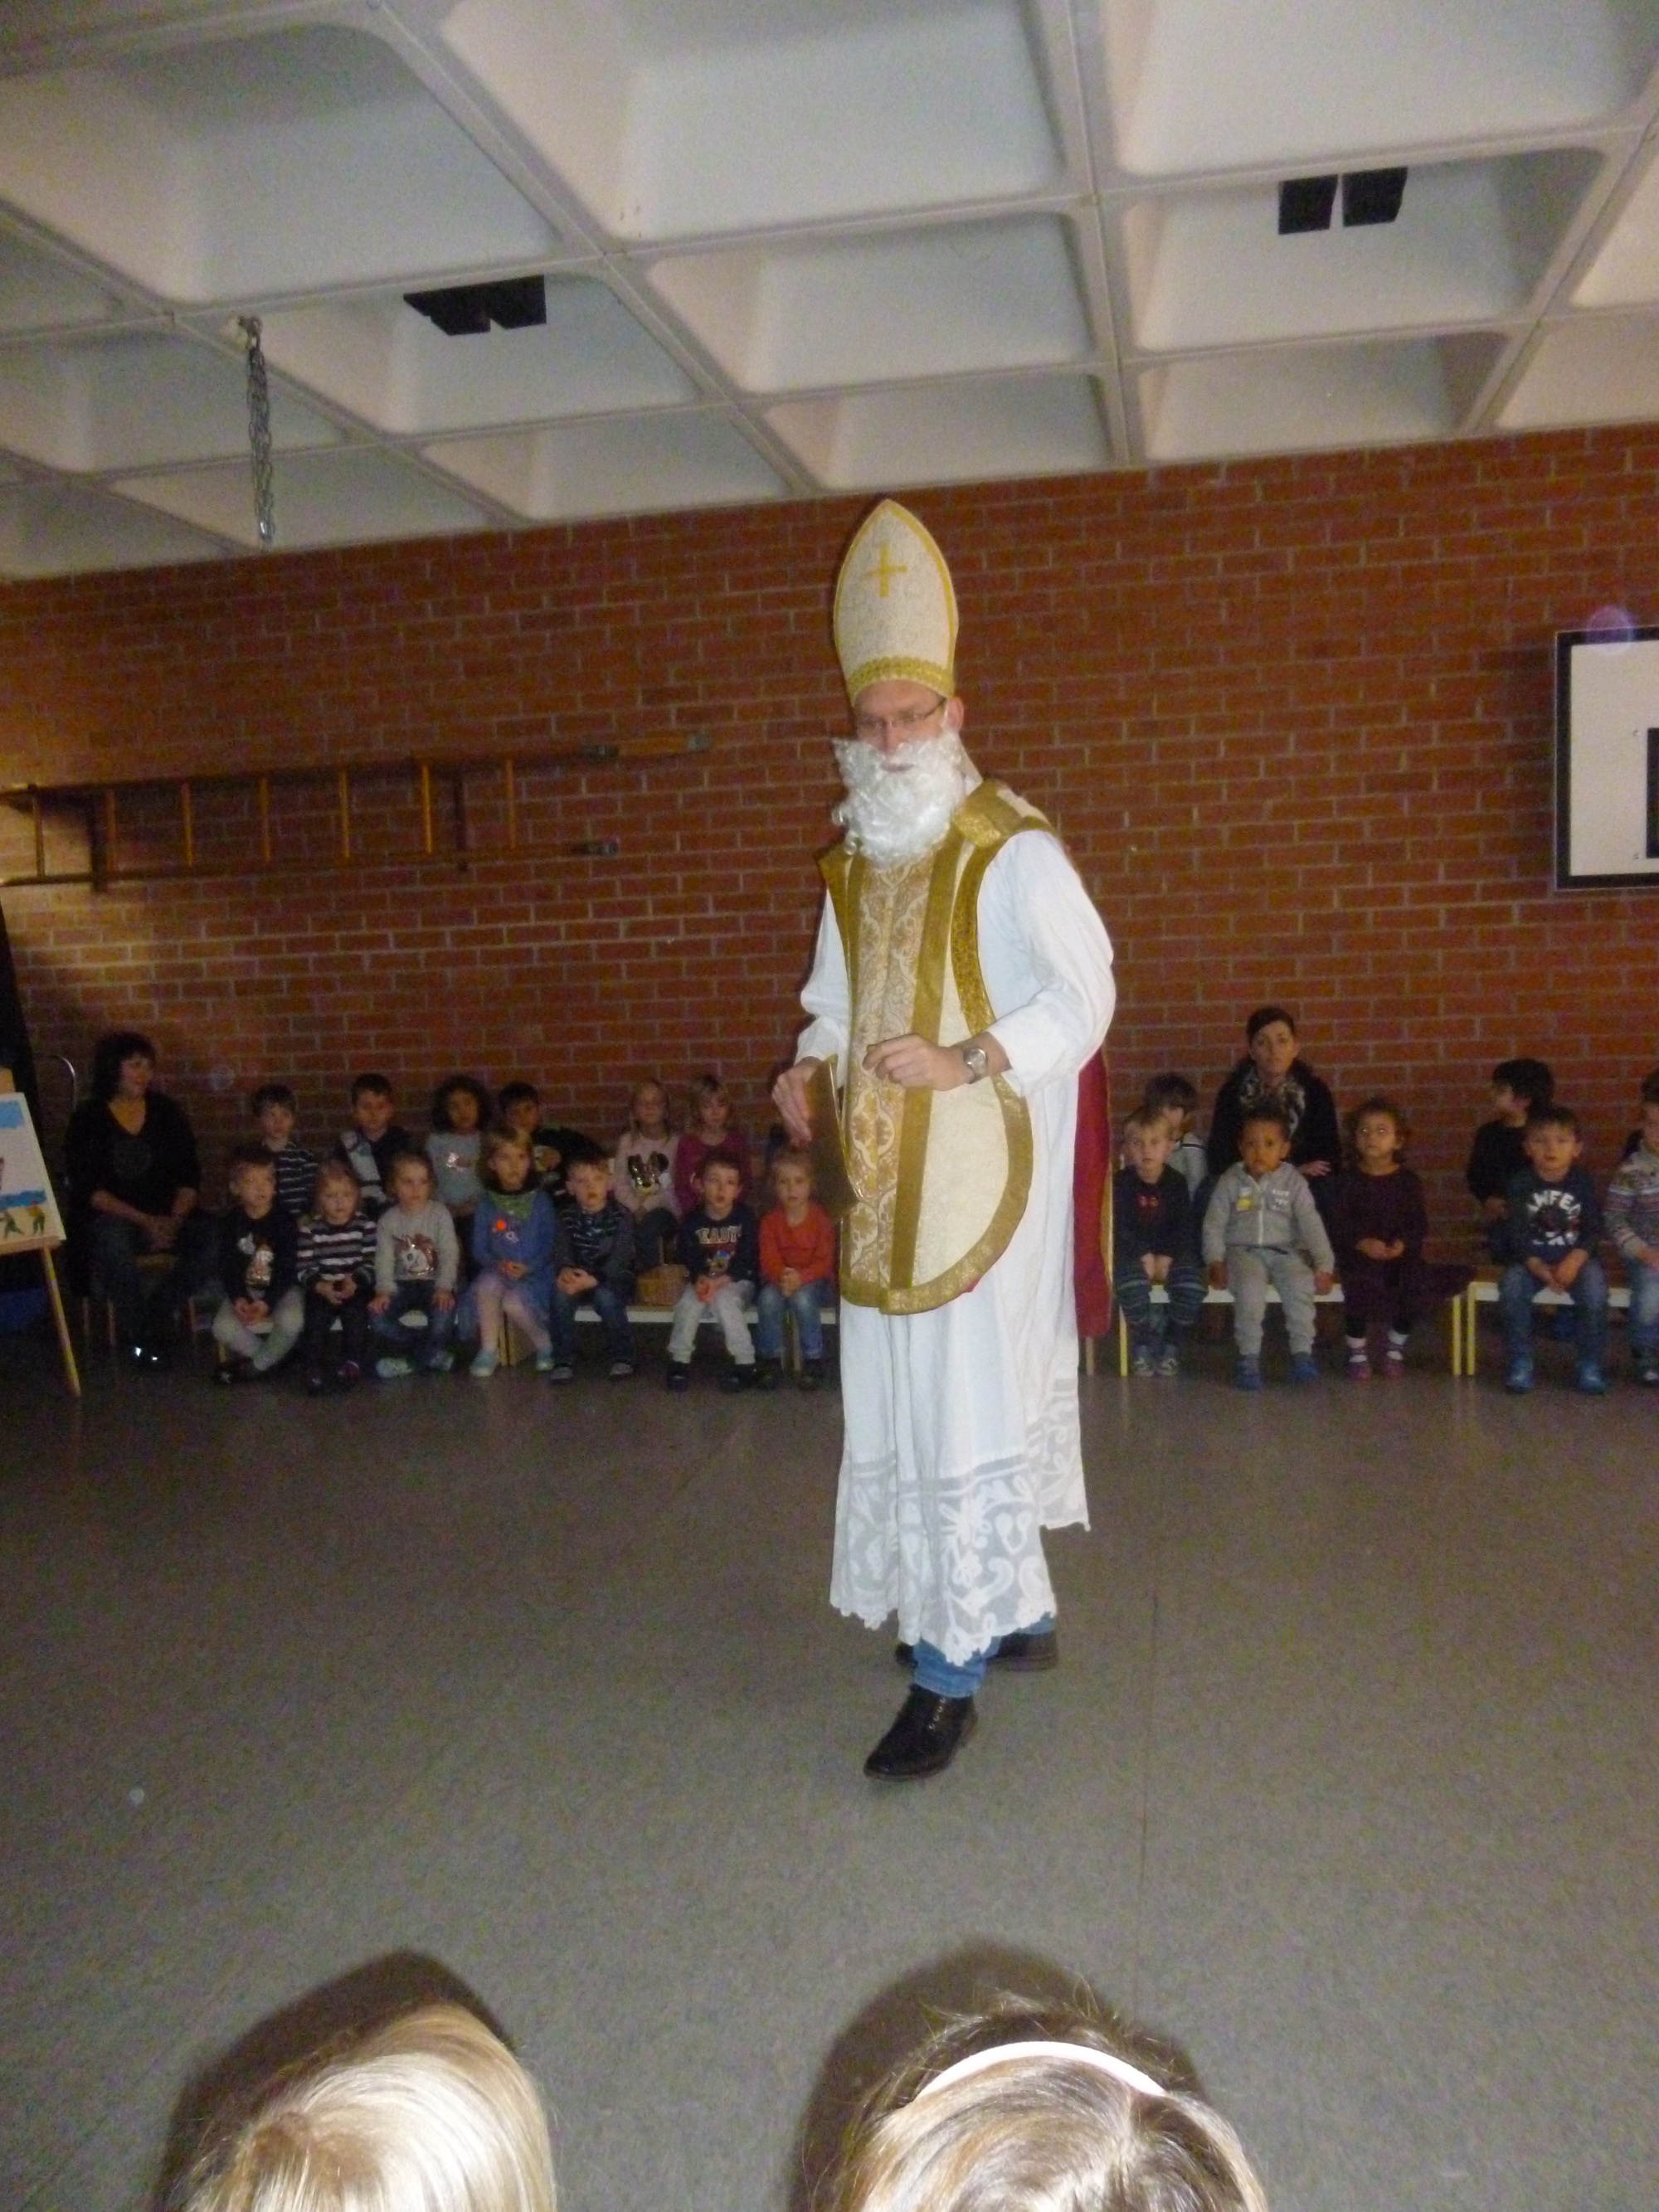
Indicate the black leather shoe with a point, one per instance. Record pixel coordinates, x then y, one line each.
924 1738
1023 1653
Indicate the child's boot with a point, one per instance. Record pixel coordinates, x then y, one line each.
812 1375
769 1374
1304 1368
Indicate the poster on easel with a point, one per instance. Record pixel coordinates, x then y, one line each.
29 1219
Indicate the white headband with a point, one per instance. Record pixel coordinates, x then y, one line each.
1083 2054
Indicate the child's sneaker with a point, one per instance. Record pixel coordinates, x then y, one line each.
1141 1361
350 1375
737 1378
484 1364
679 1375
1648 1372
1393 1363
619 1371
1246 1375
1359 1368
1517 1378
438 1363
562 1371
391 1370
316 1383
1304 1368
1167 1363
546 1360
811 1376
769 1374
1591 1382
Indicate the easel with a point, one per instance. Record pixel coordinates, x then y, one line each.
45 1240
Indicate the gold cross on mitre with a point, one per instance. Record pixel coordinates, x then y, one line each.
885 570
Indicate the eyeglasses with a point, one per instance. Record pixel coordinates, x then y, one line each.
900 725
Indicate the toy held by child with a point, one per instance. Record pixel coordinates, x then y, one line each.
719 1246
428 2113
336 1276
1262 1227
1029 2107
374 1140
275 1110
1633 1226
798 1273
1154 1243
1378 1224
1547 1237
594 1259
261 1313
643 1175
512 1241
417 1259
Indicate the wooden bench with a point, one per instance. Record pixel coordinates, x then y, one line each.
1333 1297
1483 1291
516 1348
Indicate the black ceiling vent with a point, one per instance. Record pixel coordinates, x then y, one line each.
1305 203
1371 195
465 309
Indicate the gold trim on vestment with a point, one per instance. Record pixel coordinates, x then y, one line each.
981 827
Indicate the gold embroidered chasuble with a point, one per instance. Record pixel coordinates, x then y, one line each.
942 1176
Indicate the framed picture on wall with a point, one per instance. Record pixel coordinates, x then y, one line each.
1607 758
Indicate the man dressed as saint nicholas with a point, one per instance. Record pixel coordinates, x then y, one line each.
961 982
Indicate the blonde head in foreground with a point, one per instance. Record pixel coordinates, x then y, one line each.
1040 2131
432 2113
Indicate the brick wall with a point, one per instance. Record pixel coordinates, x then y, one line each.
1293 717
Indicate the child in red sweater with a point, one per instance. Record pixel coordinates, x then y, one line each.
798 1271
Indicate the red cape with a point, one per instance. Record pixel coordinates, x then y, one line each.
1092 1198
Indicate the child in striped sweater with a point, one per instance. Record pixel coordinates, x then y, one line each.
336 1275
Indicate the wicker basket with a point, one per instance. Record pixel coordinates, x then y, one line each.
661 1287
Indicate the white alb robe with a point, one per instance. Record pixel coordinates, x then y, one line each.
962 1442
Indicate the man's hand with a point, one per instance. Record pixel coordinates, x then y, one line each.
789 1096
916 1065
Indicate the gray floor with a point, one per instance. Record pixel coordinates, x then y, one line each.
1347 1781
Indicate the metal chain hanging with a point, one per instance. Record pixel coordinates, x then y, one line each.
259 433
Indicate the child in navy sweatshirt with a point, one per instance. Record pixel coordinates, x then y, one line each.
719 1246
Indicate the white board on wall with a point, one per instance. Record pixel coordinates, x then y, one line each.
1607 758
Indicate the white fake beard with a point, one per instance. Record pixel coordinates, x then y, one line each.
898 805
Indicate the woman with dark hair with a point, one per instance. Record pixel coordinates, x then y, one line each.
134 1178
1273 1073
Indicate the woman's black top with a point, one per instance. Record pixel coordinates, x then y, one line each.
1308 1106
146 1171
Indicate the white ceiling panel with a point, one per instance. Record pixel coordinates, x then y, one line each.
579 471
792 247
286 163
62 530
740 118
1602 370
948 299
136 401
379 359
1198 86
343 498
1473 238
949 434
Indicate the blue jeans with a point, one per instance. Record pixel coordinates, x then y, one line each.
1589 1305
933 1671
423 1347
807 1304
1643 1309
611 1308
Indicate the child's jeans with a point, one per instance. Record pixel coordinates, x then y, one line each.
423 1346
807 1304
611 1307
1644 1311
1134 1292
1516 1292
1250 1268
493 1296
263 1348
729 1306
322 1313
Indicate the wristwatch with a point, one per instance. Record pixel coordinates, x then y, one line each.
977 1061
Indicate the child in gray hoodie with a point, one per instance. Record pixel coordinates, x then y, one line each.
1261 1227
